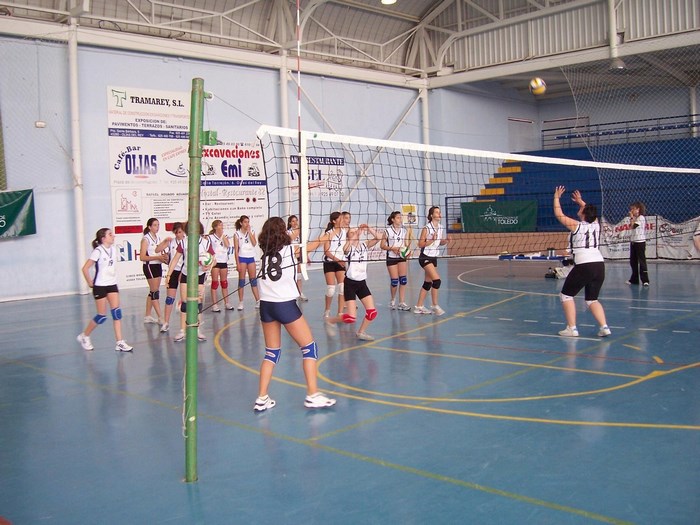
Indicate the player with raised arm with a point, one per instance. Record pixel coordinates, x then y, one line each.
589 269
104 289
432 236
355 286
278 307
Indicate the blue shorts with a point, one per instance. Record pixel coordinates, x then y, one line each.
246 260
284 313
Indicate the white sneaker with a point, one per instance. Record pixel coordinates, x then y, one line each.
326 314
180 336
569 332
437 310
150 320
392 305
85 342
123 347
303 298
215 308
604 331
164 327
201 336
403 307
229 306
240 307
364 336
263 403
421 310
257 305
318 400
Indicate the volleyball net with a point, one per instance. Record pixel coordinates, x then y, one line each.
491 202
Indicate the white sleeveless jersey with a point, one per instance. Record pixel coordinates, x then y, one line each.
294 235
105 265
172 248
337 244
153 242
278 276
638 232
584 243
395 239
357 262
204 247
433 249
245 246
220 250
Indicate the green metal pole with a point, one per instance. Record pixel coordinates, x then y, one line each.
192 315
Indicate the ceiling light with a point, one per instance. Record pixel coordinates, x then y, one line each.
388 2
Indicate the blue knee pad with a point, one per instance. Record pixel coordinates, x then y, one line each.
99 318
436 283
309 351
154 295
169 301
394 283
116 313
241 283
254 282
403 280
273 355
183 307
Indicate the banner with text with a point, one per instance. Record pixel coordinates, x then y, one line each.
499 217
17 213
149 173
664 239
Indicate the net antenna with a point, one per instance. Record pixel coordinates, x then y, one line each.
303 165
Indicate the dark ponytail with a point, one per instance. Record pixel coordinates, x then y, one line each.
99 237
148 224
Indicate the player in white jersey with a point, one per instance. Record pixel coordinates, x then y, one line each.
589 269
169 246
204 247
432 236
638 244
152 269
104 288
244 243
396 243
294 233
219 273
278 307
334 261
355 284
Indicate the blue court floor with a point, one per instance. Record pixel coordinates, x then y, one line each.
481 416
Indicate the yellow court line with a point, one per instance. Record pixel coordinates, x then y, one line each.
424 473
474 414
638 349
504 362
657 359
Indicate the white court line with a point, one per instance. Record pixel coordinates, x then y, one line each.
648 329
680 331
661 309
564 337
504 319
530 321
